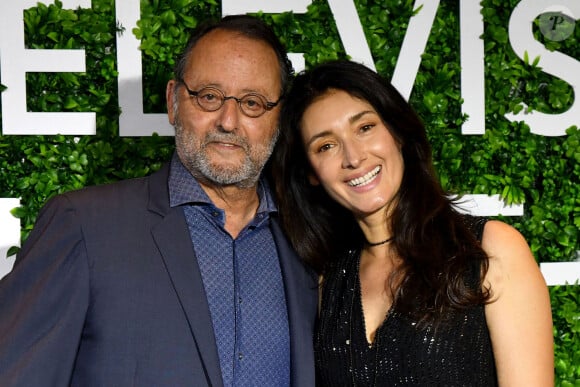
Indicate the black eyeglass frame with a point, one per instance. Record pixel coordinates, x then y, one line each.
267 104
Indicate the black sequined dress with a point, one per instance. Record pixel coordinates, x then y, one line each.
458 353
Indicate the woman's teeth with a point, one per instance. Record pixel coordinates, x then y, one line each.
359 181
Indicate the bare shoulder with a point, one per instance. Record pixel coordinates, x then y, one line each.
519 315
510 258
500 238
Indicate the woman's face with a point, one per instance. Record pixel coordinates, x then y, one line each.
352 153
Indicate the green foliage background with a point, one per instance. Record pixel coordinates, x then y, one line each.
541 172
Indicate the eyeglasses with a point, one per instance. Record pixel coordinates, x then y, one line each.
211 99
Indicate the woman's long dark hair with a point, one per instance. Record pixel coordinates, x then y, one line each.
438 249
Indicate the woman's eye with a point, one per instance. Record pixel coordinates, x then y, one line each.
324 148
366 128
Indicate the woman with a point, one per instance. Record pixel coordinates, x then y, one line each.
413 293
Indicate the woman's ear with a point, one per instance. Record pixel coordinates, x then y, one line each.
313 180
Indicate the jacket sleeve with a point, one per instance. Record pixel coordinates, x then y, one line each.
44 300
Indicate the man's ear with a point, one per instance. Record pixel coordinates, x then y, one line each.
169 98
313 180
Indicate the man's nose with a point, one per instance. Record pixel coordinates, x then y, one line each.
229 115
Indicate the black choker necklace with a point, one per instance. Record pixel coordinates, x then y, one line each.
380 243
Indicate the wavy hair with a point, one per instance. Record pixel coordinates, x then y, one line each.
442 261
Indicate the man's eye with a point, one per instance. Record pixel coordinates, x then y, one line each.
208 97
253 103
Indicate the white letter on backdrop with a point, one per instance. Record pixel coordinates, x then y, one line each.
413 46
9 233
133 121
404 76
351 32
16 61
555 63
472 66
232 7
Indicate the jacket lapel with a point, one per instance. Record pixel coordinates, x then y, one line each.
301 291
174 242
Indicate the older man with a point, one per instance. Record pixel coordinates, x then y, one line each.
182 278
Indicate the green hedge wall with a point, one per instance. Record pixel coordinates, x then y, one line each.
541 172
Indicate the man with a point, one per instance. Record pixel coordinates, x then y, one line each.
182 278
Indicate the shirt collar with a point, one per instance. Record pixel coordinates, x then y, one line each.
185 189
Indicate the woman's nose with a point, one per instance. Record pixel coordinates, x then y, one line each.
353 155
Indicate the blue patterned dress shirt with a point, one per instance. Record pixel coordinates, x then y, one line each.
243 284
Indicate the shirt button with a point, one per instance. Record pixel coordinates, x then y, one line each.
215 214
240 356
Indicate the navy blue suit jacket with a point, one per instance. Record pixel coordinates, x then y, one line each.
106 291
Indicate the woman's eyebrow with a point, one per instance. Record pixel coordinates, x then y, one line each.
357 116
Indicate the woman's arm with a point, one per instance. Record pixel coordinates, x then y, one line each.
519 317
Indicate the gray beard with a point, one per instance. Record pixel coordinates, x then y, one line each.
196 160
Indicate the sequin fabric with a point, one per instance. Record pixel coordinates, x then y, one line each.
457 353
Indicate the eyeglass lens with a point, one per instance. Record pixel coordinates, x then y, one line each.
211 99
